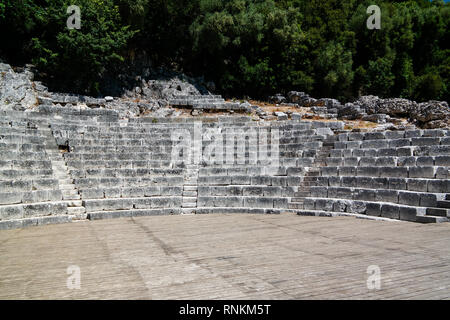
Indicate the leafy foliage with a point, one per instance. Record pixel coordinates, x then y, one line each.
75 59
248 47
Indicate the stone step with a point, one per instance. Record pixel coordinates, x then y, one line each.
59 176
42 220
309 178
72 190
295 205
79 217
443 204
319 213
190 188
74 203
59 167
431 219
60 163
189 205
188 211
75 210
67 187
71 197
189 199
316 213
300 194
190 193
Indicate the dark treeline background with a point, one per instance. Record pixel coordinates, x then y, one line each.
247 47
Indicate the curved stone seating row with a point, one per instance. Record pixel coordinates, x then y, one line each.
152 140
30 196
20 139
95 205
8 130
262 189
123 213
394 143
109 161
21 156
412 198
100 114
377 209
25 215
118 156
219 180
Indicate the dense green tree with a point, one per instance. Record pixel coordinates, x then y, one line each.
248 47
75 59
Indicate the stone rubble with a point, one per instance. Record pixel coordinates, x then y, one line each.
171 91
16 89
427 115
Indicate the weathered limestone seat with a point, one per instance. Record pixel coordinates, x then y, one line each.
206 102
394 174
127 167
122 170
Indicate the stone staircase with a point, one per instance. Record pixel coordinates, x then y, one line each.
60 172
190 189
206 102
400 175
441 213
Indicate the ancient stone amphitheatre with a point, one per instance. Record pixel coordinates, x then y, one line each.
286 199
